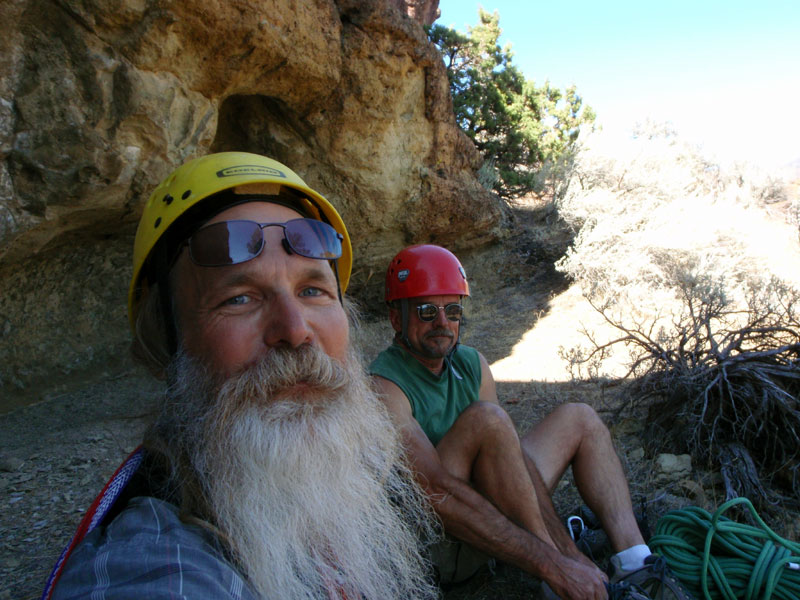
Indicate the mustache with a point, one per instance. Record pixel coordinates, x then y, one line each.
439 333
285 368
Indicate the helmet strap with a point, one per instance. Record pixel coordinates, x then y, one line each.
170 330
159 267
404 324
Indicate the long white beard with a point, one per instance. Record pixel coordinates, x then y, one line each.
301 470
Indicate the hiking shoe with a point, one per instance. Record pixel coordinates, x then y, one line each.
625 590
654 579
584 529
616 591
594 543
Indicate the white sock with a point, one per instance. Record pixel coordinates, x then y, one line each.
632 558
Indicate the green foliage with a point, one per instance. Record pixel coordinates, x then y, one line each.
517 126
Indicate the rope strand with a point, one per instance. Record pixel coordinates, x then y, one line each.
717 558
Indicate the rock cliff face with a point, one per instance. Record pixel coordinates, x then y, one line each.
100 99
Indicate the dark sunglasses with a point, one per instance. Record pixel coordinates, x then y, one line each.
429 312
234 242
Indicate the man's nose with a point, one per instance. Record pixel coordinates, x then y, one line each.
441 319
286 324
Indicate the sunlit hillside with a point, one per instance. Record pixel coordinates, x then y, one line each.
635 209
685 283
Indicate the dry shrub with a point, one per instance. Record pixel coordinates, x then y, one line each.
681 260
723 380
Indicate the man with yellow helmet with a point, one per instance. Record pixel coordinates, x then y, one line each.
271 470
194 194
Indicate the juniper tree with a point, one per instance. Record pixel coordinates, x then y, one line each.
518 126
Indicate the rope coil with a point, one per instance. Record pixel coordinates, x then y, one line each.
717 558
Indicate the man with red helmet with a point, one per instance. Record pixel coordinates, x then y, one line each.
491 487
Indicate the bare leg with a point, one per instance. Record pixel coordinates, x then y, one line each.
575 434
482 450
482 447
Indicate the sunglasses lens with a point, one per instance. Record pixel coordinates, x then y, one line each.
427 312
234 242
313 239
453 312
226 243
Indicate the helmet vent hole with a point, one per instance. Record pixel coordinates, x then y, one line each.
186 194
168 199
158 222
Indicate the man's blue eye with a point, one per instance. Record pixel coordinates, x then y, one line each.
241 299
311 291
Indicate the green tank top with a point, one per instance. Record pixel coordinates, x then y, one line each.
436 401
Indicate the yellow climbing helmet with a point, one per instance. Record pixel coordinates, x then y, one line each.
206 176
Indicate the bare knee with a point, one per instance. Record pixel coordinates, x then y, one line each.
481 426
582 418
487 414
484 419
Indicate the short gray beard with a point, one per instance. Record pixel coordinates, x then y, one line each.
301 471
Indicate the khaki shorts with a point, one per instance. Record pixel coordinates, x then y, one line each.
456 561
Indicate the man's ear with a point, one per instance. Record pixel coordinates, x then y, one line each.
396 319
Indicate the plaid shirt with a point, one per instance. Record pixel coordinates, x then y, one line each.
148 552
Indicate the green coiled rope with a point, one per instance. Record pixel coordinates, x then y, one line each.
715 557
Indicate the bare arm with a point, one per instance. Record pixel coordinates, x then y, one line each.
488 390
469 516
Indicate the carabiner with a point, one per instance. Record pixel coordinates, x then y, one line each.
572 534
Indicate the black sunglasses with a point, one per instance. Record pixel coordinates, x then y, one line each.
233 242
429 312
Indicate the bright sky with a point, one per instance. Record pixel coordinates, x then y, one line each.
725 73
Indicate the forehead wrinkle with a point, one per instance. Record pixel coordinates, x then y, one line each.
232 277
321 270
247 272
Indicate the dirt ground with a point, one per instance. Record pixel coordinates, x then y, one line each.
56 455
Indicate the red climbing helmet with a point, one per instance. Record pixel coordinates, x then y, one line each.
425 270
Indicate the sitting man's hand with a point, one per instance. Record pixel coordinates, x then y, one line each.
580 581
